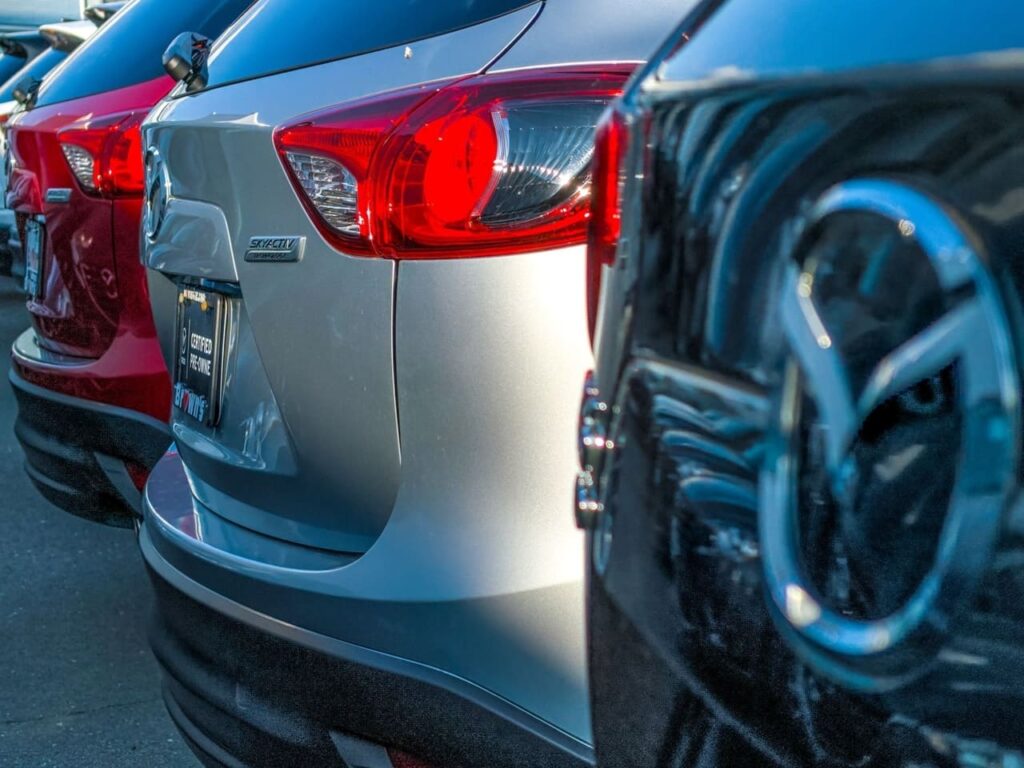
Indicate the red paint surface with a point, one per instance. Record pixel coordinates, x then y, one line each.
94 303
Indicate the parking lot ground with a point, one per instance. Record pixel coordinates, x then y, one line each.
78 685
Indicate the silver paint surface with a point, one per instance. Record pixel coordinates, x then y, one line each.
416 419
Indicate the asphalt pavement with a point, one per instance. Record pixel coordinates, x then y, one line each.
78 685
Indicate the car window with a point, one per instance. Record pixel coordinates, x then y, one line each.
277 35
35 69
9 65
128 49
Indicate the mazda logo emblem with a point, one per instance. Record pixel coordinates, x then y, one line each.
824 395
158 192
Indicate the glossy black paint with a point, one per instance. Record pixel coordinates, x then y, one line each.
691 663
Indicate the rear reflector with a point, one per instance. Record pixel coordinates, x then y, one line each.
489 165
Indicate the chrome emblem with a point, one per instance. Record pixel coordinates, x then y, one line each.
158 193
57 195
275 248
829 406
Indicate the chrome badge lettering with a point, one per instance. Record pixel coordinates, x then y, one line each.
58 195
275 248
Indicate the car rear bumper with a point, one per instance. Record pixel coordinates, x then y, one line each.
246 689
80 454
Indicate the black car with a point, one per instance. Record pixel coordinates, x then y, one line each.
801 442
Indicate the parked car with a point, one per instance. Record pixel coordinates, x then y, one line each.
368 272
62 38
92 388
18 52
802 438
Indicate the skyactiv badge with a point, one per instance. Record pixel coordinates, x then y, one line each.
275 248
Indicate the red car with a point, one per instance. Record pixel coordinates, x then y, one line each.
91 383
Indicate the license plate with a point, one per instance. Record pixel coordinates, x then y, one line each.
35 234
197 366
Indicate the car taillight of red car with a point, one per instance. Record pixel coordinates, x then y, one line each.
484 166
105 154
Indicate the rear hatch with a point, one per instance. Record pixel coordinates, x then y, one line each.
76 177
304 445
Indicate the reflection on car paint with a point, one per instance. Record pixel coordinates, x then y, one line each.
729 187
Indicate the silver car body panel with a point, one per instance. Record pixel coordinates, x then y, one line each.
282 626
572 31
414 422
220 152
190 222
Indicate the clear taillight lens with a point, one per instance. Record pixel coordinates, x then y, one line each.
331 188
543 159
81 163
490 165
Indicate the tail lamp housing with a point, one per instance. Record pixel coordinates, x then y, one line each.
488 165
610 155
105 154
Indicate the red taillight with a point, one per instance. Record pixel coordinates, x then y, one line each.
460 166
606 221
489 165
329 156
105 154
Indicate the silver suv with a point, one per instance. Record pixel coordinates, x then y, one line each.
365 232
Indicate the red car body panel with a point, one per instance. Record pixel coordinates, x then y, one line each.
93 306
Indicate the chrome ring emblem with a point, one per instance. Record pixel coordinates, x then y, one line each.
970 332
158 192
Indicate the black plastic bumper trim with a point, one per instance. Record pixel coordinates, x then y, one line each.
61 437
263 698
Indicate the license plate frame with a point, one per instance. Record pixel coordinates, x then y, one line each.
198 360
35 240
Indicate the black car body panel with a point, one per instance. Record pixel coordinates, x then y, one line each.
67 438
809 548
